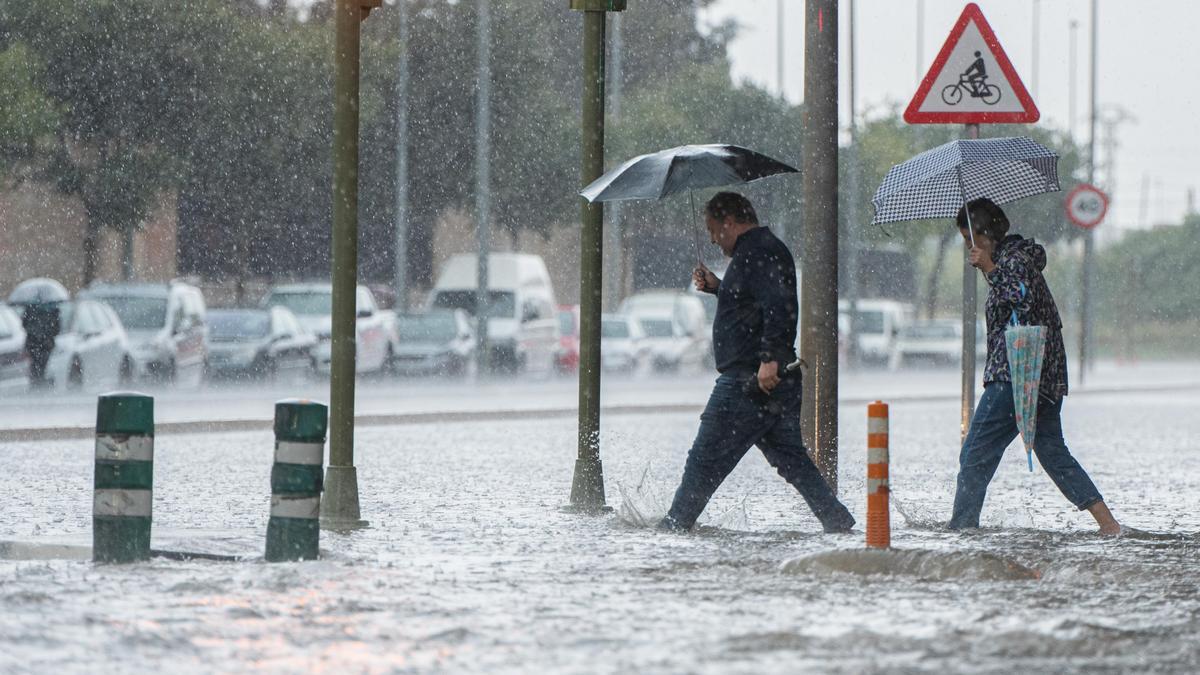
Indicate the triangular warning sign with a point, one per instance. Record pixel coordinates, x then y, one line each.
971 81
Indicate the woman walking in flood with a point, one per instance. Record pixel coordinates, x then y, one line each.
1013 268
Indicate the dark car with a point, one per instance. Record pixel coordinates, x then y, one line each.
266 344
434 342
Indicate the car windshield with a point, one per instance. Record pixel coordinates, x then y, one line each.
657 327
931 331
439 327
501 304
235 325
614 329
139 313
869 322
566 323
311 303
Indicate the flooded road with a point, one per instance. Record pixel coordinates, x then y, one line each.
471 565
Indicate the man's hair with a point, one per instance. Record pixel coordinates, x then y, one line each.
733 205
987 218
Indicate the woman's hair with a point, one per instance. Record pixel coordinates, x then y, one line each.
733 205
986 218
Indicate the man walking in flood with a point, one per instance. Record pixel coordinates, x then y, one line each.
754 333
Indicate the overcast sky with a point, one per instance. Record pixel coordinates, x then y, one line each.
1148 65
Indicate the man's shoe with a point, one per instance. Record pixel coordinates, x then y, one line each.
669 524
839 528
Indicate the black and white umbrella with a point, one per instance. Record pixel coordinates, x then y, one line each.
687 167
938 182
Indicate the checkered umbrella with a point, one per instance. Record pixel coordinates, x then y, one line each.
937 182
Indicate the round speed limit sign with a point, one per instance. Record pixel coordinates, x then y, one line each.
1086 206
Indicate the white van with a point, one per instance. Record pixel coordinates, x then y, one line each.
166 324
877 326
522 325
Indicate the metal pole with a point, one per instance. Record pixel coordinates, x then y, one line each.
779 47
819 320
920 40
1089 237
1071 112
969 317
340 509
852 278
587 487
483 195
614 234
1037 33
401 281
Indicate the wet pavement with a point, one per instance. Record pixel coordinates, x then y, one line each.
470 564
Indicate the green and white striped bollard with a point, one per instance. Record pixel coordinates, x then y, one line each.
124 478
293 531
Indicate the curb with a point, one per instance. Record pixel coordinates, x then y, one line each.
398 419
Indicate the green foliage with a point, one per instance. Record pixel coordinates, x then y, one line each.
28 117
1150 276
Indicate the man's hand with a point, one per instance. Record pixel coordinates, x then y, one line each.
704 280
768 376
982 260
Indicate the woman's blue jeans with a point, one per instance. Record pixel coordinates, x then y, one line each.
992 429
731 423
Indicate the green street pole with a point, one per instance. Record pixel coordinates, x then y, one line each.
587 488
340 509
819 297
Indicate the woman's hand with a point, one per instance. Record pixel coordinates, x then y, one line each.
981 259
704 280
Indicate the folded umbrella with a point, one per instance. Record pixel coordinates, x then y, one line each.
1026 347
687 167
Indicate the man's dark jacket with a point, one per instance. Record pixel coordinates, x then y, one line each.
756 304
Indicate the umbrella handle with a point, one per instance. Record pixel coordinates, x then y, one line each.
695 228
963 191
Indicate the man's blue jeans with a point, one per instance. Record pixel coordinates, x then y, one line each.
729 425
992 429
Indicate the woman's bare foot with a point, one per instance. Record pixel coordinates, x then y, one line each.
1109 526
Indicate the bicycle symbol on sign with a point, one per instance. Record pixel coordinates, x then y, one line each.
973 81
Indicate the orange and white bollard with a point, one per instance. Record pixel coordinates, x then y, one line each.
879 526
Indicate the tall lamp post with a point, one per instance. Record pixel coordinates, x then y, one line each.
339 508
587 487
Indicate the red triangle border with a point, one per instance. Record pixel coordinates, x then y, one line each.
1030 114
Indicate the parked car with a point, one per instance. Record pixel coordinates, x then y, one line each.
375 329
674 325
166 324
522 326
14 360
267 344
92 350
435 342
568 341
623 347
876 327
935 341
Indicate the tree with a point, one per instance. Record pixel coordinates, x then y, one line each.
28 117
124 76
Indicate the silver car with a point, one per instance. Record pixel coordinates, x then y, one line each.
14 360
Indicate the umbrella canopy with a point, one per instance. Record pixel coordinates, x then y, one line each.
38 290
937 182
687 167
1026 346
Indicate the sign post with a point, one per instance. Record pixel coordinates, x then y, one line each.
1086 207
971 82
